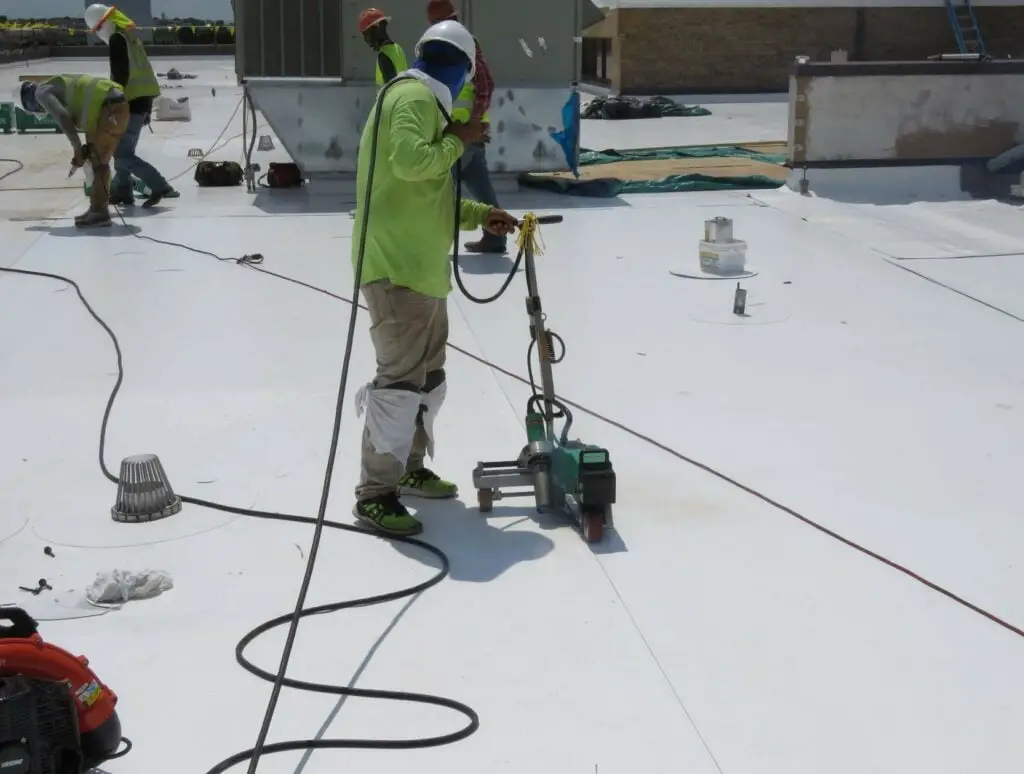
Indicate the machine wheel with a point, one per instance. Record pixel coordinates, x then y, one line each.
593 526
485 499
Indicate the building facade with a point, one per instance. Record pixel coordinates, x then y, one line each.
692 48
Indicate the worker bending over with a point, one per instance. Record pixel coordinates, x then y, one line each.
130 68
98 109
373 26
473 103
406 276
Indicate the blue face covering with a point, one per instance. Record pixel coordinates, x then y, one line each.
451 75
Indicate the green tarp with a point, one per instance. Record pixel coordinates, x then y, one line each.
611 186
590 157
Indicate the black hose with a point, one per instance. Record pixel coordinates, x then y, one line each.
279 678
310 744
558 409
20 166
455 249
252 143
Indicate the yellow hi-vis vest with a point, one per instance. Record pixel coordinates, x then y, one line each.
394 52
462 107
84 96
142 80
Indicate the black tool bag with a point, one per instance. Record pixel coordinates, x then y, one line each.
284 175
218 174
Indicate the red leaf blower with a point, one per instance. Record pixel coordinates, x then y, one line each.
39 679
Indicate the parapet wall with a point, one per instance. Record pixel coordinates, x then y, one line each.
886 113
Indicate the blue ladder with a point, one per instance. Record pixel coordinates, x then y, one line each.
965 27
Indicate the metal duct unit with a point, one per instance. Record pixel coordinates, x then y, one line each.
307 70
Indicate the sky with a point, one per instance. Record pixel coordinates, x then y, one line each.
203 9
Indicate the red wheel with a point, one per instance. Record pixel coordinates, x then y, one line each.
593 527
485 499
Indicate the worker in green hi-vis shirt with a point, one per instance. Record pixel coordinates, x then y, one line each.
373 25
403 241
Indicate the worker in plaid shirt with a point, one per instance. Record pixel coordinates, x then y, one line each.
473 103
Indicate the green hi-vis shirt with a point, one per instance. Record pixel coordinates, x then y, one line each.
390 62
412 203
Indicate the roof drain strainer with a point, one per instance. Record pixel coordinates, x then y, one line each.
143 491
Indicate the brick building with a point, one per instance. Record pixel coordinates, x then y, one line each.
688 46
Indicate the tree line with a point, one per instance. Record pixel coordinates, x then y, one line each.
27 33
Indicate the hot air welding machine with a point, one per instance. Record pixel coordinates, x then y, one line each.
568 476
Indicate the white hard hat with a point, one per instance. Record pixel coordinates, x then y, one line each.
454 34
97 19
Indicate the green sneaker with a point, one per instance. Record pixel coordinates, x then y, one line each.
426 483
387 514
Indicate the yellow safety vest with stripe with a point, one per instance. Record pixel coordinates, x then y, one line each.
84 96
394 52
142 80
462 107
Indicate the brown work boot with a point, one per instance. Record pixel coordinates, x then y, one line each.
93 218
489 244
158 196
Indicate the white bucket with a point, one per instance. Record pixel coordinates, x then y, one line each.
723 258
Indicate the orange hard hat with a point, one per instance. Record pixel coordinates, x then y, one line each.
371 17
439 10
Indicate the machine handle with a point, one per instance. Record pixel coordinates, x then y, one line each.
549 219
22 624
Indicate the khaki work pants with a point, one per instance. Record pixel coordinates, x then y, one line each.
103 142
409 333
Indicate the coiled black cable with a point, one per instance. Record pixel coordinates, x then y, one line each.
303 612
252 143
279 679
19 165
559 409
535 401
455 250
